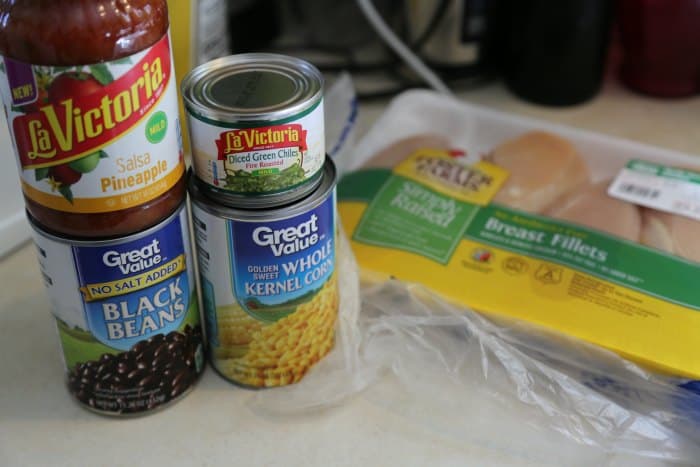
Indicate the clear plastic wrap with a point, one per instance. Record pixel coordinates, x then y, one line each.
508 386
531 395
340 104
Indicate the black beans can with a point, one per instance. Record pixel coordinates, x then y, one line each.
127 315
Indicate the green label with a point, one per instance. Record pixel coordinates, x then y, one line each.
412 217
614 259
263 172
156 127
362 185
403 214
663 171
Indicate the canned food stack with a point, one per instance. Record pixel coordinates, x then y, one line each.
263 206
91 98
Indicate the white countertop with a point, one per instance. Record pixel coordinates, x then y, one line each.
40 425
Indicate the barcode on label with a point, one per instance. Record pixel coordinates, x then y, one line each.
658 191
642 191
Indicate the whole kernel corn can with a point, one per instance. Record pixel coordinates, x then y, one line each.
269 285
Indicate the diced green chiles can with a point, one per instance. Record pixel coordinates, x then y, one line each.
256 128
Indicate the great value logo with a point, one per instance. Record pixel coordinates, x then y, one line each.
135 289
134 261
289 240
116 270
280 264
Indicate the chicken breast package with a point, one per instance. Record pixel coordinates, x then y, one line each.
585 234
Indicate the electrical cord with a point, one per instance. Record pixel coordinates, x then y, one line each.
337 59
334 59
351 63
393 42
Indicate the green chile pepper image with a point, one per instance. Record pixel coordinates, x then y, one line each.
242 181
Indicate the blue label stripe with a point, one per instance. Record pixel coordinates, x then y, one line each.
142 296
277 265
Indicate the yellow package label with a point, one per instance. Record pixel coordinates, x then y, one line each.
608 291
476 184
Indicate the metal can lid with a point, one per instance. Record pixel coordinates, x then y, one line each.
252 87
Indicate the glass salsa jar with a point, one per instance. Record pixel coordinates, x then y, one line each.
90 94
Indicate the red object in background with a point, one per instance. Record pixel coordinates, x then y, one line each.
661 46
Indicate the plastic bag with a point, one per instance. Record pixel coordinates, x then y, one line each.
511 387
340 105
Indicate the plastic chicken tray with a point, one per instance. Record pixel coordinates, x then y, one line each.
582 233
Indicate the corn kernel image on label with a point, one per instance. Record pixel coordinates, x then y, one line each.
269 290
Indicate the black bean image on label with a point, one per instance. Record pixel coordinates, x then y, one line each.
150 374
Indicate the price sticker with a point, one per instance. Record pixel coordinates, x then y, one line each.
656 186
